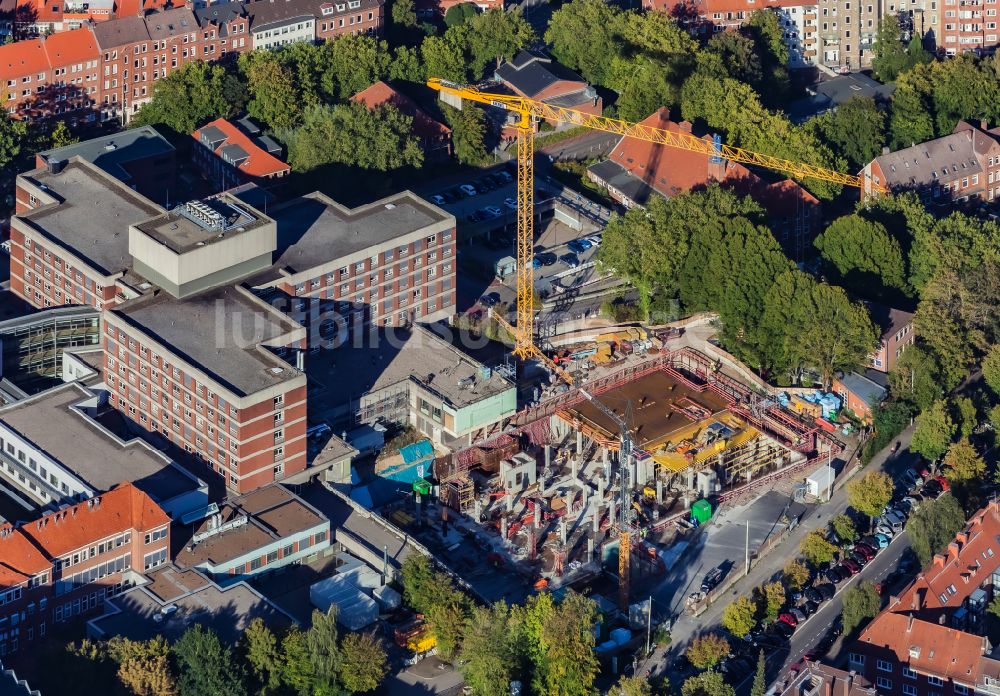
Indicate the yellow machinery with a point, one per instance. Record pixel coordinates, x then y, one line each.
529 110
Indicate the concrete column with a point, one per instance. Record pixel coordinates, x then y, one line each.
604 456
503 527
548 456
690 478
611 511
596 519
600 489
509 502
579 442
573 464
562 531
659 491
590 550
477 508
538 516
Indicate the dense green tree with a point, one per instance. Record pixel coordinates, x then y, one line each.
460 14
764 26
735 110
468 133
870 493
963 462
324 656
655 35
260 650
443 59
633 686
447 622
406 65
773 595
584 35
911 119
423 587
403 14
739 616
707 684
856 130
356 61
190 96
296 666
13 134
915 377
490 654
934 525
860 604
934 431
890 56
739 56
493 36
274 97
565 662
645 84
796 574
863 252
351 134
363 663
759 686
806 324
61 135
816 549
991 368
965 415
707 651
144 666
206 667
843 527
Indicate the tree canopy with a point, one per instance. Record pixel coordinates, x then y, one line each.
705 652
934 525
934 431
191 96
860 603
870 493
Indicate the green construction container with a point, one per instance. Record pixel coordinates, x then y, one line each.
423 487
701 511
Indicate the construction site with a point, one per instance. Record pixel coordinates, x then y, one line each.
547 501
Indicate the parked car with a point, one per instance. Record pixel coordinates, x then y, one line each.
579 245
883 540
798 614
943 482
826 590
483 185
811 607
859 558
468 189
490 299
885 530
493 210
477 216
852 567
788 619
571 260
506 176
510 203
545 258
836 574
437 199
783 628
865 550
712 579
812 594
594 239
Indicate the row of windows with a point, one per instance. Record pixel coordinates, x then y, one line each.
102 570
110 544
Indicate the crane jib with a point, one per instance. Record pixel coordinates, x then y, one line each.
499 104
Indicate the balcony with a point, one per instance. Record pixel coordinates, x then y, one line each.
809 16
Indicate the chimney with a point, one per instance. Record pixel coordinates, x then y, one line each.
97 502
909 623
984 125
939 560
953 549
886 150
684 126
962 538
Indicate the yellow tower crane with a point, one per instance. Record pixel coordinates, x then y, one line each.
530 110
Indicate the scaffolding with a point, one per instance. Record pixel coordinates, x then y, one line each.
390 404
459 493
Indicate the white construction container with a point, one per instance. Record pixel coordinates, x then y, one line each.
355 609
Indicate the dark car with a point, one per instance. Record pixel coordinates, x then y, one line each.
836 575
712 579
865 550
798 614
813 595
859 558
810 607
851 566
490 299
805 610
826 590
783 628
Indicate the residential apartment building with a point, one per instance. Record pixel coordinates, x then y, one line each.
53 75
814 678
966 25
931 638
388 263
65 564
107 69
56 258
254 534
897 334
229 157
31 18
959 168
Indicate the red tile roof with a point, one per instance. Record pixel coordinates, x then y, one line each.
671 171
915 625
259 163
131 8
424 126
121 508
19 559
35 56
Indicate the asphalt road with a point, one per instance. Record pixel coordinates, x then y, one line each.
770 566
